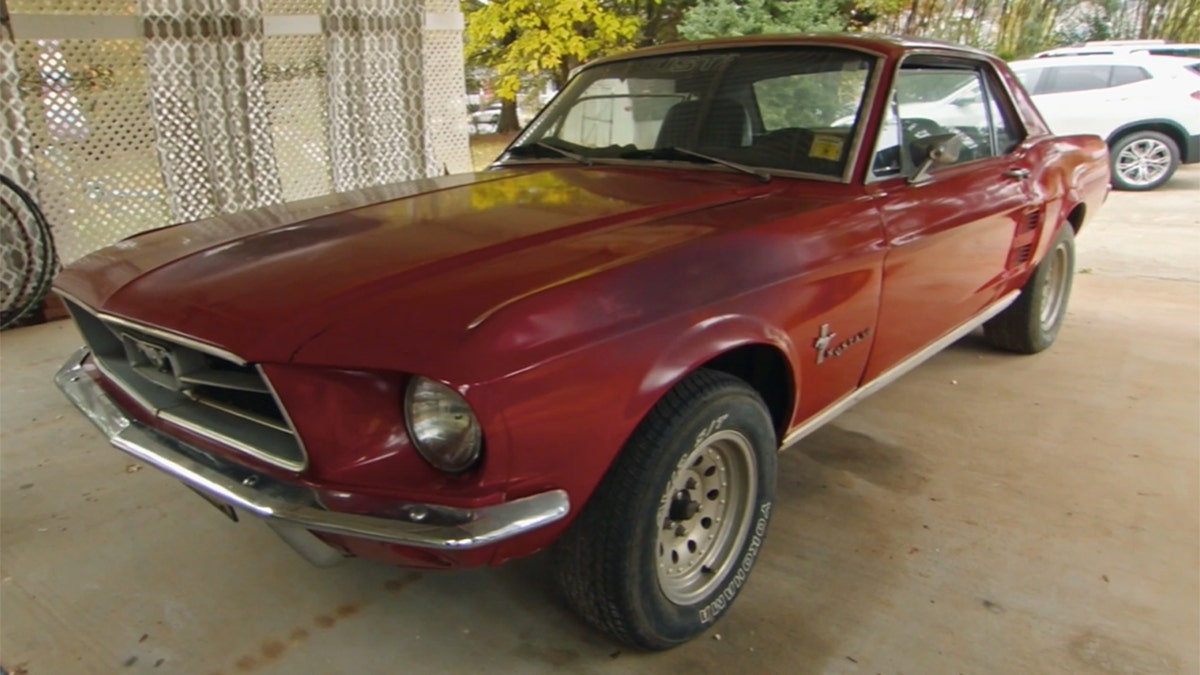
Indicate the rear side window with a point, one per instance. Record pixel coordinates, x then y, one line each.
1127 75
1029 78
1062 79
1191 51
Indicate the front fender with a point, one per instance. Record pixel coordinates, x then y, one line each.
703 342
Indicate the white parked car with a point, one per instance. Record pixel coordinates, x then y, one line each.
1146 107
485 121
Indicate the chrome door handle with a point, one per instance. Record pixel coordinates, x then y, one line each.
1019 174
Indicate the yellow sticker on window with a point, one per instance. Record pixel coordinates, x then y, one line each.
826 147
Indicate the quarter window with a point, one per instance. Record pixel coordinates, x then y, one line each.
1127 75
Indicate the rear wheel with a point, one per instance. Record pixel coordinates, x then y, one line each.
1032 322
1143 160
666 543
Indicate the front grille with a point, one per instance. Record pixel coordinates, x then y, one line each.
202 389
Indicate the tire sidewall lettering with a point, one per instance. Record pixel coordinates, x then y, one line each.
713 426
717 606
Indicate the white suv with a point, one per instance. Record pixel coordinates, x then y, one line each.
1154 47
1146 107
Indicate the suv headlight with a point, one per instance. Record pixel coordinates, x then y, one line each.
441 425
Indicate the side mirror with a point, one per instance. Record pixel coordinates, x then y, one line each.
937 150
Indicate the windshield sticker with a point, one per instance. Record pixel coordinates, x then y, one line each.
695 64
826 147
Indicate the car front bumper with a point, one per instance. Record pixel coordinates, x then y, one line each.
1191 154
295 511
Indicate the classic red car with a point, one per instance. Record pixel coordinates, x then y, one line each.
695 256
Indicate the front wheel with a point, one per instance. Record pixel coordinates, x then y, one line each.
668 540
1032 322
1143 160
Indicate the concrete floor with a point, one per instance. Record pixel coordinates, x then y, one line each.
986 514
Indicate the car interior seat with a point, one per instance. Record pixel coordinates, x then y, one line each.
724 124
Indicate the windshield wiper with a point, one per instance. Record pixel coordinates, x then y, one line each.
674 152
573 156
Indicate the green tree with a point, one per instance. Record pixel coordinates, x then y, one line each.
734 18
522 39
660 20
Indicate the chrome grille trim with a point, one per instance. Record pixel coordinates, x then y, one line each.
246 415
246 448
233 405
170 337
284 411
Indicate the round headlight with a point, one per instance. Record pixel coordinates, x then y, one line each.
441 425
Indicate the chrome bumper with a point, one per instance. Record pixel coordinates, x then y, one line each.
294 510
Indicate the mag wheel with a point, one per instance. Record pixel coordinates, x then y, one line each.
1143 160
704 515
668 540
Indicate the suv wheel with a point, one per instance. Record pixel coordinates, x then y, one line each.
1143 160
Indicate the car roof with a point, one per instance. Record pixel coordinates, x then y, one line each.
884 45
1144 60
1125 47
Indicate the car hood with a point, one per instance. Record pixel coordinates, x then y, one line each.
436 256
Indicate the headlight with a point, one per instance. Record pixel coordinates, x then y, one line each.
441 425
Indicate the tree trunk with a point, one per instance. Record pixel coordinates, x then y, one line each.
563 72
508 116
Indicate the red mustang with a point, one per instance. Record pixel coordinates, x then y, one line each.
696 255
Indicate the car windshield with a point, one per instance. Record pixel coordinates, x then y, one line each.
790 109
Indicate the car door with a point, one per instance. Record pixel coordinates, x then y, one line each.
950 234
1078 99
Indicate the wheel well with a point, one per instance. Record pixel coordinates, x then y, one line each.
1163 127
767 369
1075 218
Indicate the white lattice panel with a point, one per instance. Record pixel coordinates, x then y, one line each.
285 7
19 262
445 103
86 111
205 59
110 7
207 114
376 117
294 80
16 152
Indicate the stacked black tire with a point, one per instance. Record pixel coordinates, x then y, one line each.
27 258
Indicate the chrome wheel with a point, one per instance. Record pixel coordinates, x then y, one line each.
1054 288
1144 162
705 515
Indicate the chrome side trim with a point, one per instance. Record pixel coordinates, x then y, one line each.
892 374
428 526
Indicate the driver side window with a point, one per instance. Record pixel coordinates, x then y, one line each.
959 110
932 103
